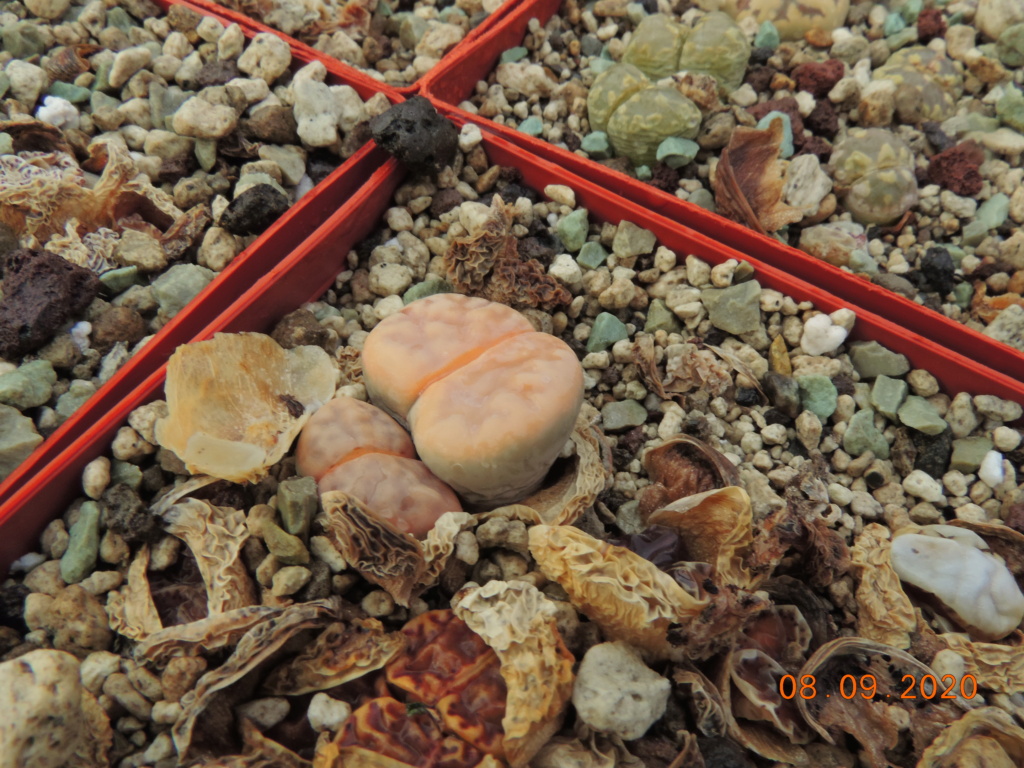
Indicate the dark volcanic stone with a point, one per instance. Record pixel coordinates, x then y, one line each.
535 248
759 76
816 145
320 164
823 120
938 268
761 55
664 177
783 393
300 328
895 283
818 78
8 241
272 124
254 210
416 135
930 25
956 168
12 606
128 517
933 452
42 292
444 201
747 396
216 73
936 136
117 324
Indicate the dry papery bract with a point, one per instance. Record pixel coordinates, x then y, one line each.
884 612
518 622
982 738
683 466
237 401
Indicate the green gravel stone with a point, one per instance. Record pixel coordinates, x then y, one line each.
118 17
676 152
962 294
661 318
596 145
99 100
606 331
78 392
631 241
861 261
643 172
968 453
514 54
917 413
1010 46
5 83
411 30
887 395
862 435
736 309
619 415
818 395
119 280
83 544
592 255
102 81
572 230
990 215
744 271
23 40
532 126
284 546
29 385
902 38
1010 108
76 94
704 199
871 359
18 438
428 287
767 36
125 472
179 285
297 501
911 10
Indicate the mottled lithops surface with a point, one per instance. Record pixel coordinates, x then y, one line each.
732 513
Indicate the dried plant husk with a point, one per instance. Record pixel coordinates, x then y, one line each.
131 609
210 634
782 633
703 698
872 722
340 653
28 135
683 466
631 599
997 667
258 646
982 738
519 623
69 61
815 610
97 735
215 536
884 612
237 401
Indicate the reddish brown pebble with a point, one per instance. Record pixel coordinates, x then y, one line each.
787 106
819 38
956 168
823 120
930 25
818 78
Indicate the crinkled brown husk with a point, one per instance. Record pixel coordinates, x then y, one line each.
997 667
518 622
710 711
131 608
210 634
982 738
97 735
884 612
680 467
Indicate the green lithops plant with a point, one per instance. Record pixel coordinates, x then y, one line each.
610 89
874 173
647 118
716 47
792 18
655 46
926 81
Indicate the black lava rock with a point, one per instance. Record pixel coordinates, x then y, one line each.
42 292
12 606
215 73
938 268
254 210
933 452
747 396
416 135
321 164
783 393
128 517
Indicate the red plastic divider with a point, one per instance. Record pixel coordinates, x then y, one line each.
243 271
305 273
456 78
339 67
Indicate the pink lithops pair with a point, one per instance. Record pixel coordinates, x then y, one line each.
489 401
352 446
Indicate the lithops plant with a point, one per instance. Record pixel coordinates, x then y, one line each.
489 401
874 173
792 18
655 45
716 47
925 83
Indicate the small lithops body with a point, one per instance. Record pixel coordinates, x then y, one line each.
355 447
874 172
648 117
655 46
610 89
489 401
925 83
792 18
716 47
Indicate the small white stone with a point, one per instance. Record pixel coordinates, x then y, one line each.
1005 439
469 137
127 63
96 477
128 445
390 279
565 268
290 580
266 713
615 692
923 486
991 471
27 81
58 112
267 56
561 194
48 9
209 29
97 667
744 96
202 120
821 335
774 434
326 713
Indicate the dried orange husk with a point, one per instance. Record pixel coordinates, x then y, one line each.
716 529
884 612
982 738
997 667
210 634
215 536
518 622
97 735
237 401
841 663
257 647
448 667
340 653
385 733
680 467
258 751
131 608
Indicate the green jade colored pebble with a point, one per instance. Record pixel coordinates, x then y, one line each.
862 435
514 54
592 255
917 413
622 414
786 149
887 395
79 559
818 395
606 331
661 318
596 145
767 36
676 152
532 126
572 230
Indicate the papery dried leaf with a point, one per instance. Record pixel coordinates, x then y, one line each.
562 751
709 708
226 414
94 747
261 752
683 466
871 723
982 738
519 623
385 557
68 62
215 536
439 544
256 647
716 528
997 667
131 608
782 633
884 612
738 365
210 634
815 610
642 352
749 180
94 251
488 264
185 231
689 367
28 135
340 653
